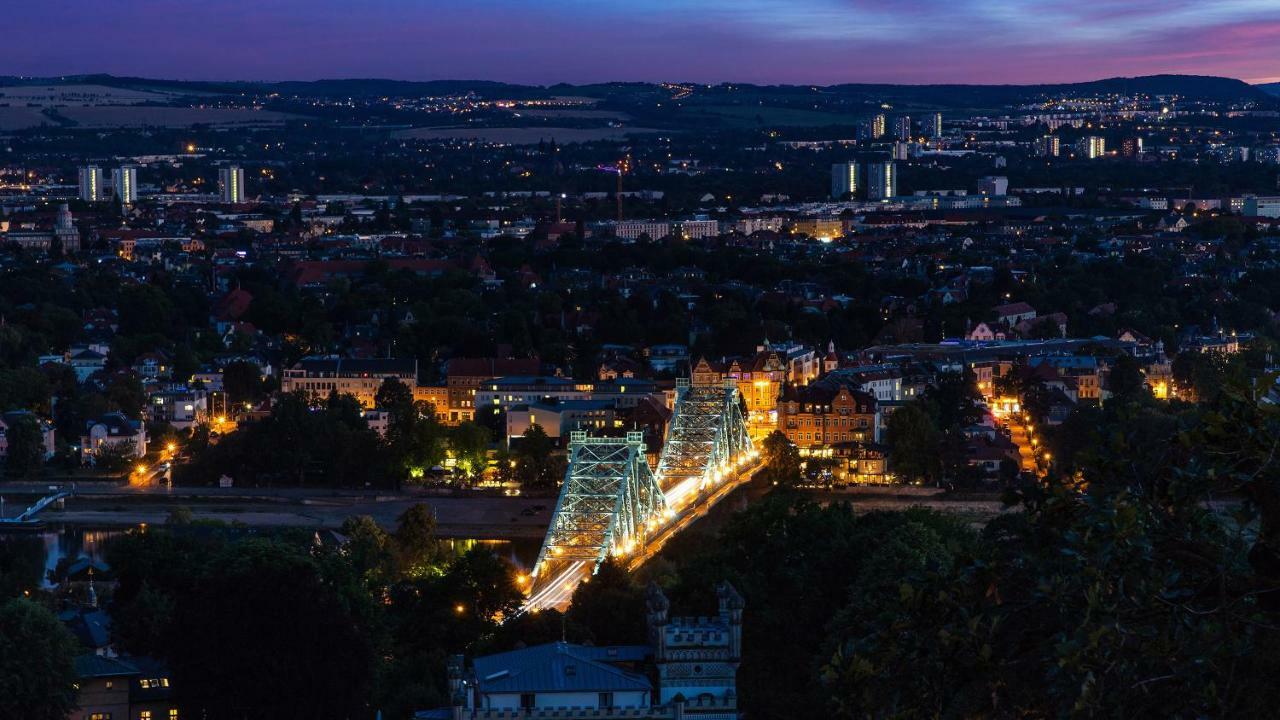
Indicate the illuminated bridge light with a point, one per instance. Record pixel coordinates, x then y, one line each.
610 496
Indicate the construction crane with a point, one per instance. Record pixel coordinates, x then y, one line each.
620 168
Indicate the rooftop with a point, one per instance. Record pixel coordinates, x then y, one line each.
561 667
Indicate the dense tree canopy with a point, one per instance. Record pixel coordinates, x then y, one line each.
37 677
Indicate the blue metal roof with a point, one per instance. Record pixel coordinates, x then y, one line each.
98 666
561 667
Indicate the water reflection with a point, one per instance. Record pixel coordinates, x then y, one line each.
74 542
522 552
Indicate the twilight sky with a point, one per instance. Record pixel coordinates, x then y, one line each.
546 41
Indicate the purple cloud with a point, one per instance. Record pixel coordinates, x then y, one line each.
768 41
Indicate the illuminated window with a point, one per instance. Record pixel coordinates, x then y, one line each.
173 713
144 715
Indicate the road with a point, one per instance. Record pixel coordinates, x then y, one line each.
468 516
691 505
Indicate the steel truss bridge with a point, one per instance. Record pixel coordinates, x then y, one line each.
612 503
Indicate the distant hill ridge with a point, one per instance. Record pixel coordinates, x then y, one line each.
1200 87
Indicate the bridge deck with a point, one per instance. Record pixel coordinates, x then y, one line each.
612 503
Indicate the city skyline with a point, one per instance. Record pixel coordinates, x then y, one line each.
761 41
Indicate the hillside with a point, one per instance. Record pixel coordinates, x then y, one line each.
1194 87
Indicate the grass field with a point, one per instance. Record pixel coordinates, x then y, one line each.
76 95
110 116
752 115
522 136
20 118
572 113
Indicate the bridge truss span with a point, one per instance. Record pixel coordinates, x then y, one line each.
612 503
706 440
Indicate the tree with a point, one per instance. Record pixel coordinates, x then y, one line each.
915 443
369 550
115 456
21 565
1125 380
469 444
36 663
26 448
180 515
268 630
243 382
781 461
417 552
532 454
125 393
1043 613
394 397
610 608
1204 373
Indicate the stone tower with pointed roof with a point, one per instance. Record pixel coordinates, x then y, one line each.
697 657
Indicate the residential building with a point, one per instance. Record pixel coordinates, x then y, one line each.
85 362
633 229
180 407
760 379
829 411
699 228
1092 147
824 229
464 376
668 357
902 127
860 463
935 125
749 225
558 419
1050 146
878 126
348 376
102 687
505 392
883 382
844 180
114 431
1255 206
437 396
1221 344
122 688
994 185
882 180
63 233
124 183
93 187
152 365
231 184
9 419
1011 314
